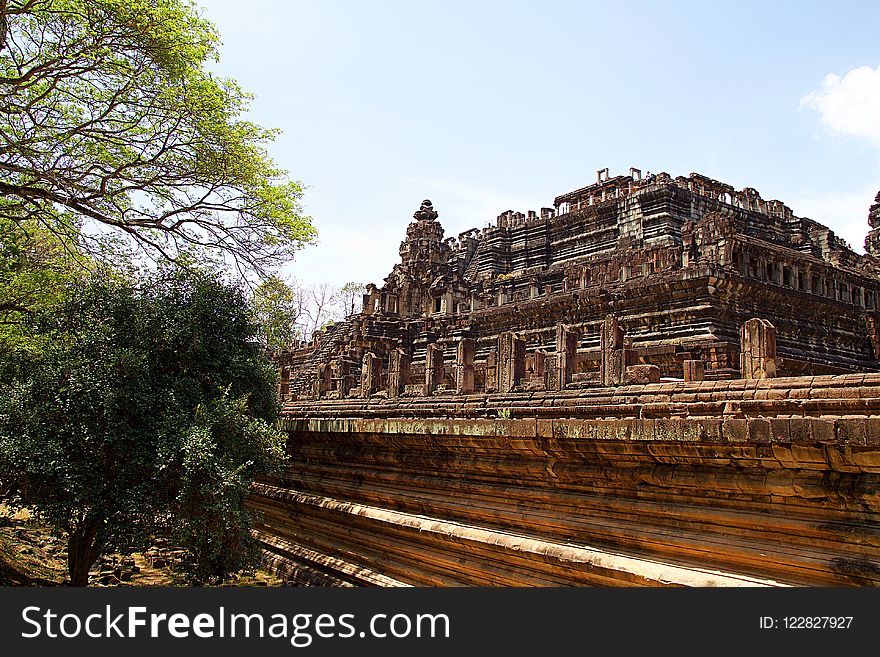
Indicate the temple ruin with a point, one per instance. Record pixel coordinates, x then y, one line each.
655 381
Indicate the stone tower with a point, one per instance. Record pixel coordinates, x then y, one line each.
424 273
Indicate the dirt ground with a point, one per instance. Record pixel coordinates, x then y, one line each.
31 556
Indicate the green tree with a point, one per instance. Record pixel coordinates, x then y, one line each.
110 118
146 408
35 270
351 296
277 307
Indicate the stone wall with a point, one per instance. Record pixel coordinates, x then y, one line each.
708 483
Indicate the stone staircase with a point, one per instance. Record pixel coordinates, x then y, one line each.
473 267
301 383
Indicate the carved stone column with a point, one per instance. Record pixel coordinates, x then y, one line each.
284 384
342 377
566 353
371 374
758 349
398 372
511 361
464 366
612 368
492 371
433 368
323 380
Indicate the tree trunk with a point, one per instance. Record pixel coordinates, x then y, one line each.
82 552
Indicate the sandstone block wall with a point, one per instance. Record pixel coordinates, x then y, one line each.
706 483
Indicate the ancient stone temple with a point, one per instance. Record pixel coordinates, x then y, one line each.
654 381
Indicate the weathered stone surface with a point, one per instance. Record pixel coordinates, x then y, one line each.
342 376
615 357
434 368
323 381
371 375
283 383
765 492
398 372
758 349
641 374
511 361
464 366
566 355
694 370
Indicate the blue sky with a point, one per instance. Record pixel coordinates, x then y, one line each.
487 106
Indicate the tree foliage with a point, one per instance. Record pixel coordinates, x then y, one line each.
33 269
321 306
147 407
278 308
110 126
288 312
351 297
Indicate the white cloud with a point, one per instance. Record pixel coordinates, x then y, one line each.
850 105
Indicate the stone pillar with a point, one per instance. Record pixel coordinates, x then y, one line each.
566 353
551 372
342 377
284 384
757 349
323 380
398 372
511 361
872 325
612 368
464 366
433 368
694 371
491 371
503 373
371 374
